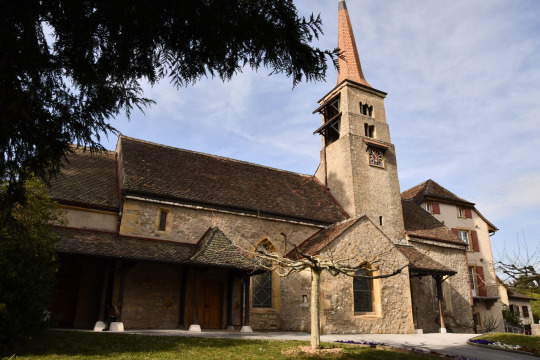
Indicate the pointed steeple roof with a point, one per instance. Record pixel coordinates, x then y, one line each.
349 67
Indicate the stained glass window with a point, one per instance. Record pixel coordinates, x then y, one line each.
363 297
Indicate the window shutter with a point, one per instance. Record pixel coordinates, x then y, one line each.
468 213
436 208
481 281
455 231
475 245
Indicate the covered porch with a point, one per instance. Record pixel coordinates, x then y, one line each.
151 284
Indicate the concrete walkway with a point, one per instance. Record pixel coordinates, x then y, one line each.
453 344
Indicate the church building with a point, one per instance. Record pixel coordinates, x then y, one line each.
167 236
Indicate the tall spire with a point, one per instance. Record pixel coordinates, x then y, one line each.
349 67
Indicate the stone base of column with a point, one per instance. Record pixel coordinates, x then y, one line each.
230 328
100 325
246 329
442 330
116 326
195 328
418 331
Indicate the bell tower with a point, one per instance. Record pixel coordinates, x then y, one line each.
358 159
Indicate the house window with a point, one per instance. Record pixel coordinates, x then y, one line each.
162 220
428 207
525 310
464 236
461 213
472 279
514 308
363 295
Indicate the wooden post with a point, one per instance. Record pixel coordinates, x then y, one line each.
126 266
246 300
182 310
438 279
106 267
230 300
315 320
196 299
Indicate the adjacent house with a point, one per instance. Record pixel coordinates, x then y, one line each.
168 236
472 228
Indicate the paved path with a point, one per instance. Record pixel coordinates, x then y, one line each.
454 344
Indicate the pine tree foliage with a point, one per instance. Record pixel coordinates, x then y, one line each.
68 67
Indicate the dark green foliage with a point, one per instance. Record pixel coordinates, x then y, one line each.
68 67
27 263
511 317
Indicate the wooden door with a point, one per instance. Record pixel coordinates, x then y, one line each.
210 304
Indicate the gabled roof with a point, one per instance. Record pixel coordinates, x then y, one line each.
165 172
516 295
216 249
420 224
322 238
88 180
429 189
421 264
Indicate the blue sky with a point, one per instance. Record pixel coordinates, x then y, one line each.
463 104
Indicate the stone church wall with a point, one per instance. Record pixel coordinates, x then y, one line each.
391 296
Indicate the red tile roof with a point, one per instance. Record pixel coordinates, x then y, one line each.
349 67
430 189
420 224
422 264
318 241
186 176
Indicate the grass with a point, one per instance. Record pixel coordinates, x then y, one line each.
528 341
87 345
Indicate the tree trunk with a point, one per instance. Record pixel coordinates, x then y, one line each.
315 320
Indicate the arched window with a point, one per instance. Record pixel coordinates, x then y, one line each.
262 283
362 290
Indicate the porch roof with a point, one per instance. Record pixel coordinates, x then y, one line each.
214 249
421 264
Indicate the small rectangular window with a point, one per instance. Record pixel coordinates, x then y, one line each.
525 311
464 236
428 207
162 220
461 213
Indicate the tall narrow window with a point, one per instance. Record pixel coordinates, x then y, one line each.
262 283
464 236
362 291
369 130
162 220
472 279
525 310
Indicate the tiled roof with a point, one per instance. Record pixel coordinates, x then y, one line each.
422 264
516 295
318 241
88 179
430 189
97 243
349 67
187 176
216 249
420 224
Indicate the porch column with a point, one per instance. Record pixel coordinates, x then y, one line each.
245 326
439 280
183 284
100 323
125 268
229 301
195 321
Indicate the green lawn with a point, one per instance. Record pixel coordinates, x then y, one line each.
514 339
88 345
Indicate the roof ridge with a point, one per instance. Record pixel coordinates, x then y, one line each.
217 156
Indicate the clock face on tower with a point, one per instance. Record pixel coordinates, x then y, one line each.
376 157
